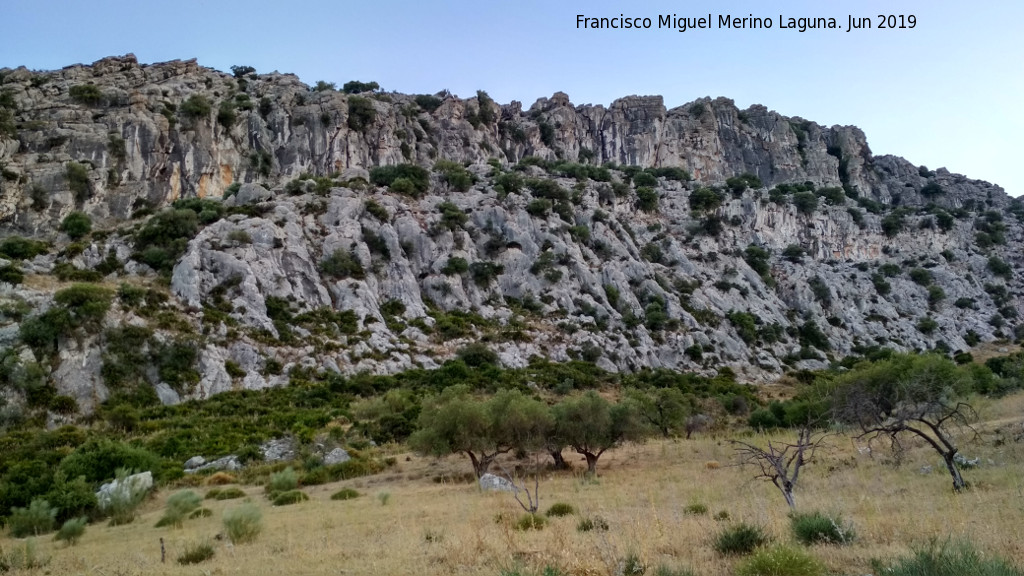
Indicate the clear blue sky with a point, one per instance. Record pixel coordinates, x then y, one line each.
948 93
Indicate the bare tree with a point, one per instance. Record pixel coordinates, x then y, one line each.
521 485
781 463
908 395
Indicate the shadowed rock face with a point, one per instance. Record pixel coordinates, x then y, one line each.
592 276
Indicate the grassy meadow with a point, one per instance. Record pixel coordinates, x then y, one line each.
405 521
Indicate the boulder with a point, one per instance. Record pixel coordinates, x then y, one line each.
122 490
491 483
336 456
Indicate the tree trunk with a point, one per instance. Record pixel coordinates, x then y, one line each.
788 495
480 465
958 480
591 463
560 463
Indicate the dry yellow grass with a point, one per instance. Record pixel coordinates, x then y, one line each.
434 528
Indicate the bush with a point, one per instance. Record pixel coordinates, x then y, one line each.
818 528
345 494
361 114
71 531
165 237
592 523
999 267
220 479
376 210
696 509
283 481
417 177
196 106
531 522
37 519
123 503
948 559
11 274
781 561
921 276
340 264
289 497
705 199
78 181
196 552
646 199
454 266
88 94
76 225
243 524
178 507
200 513
805 202
18 248
559 509
740 539
225 493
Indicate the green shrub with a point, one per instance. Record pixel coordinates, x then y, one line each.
592 523
227 114
780 561
18 248
427 102
243 524
37 519
740 539
361 113
88 94
999 267
646 199
283 481
78 181
892 224
357 87
696 509
196 106
200 513
531 522
225 493
289 497
921 276
805 202
818 528
927 325
417 178
948 559
376 210
71 531
71 498
164 238
705 199
124 502
340 264
76 225
345 494
178 507
196 552
455 265
11 274
559 509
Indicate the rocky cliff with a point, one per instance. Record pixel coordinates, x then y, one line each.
631 236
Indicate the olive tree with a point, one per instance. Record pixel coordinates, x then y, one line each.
920 396
591 425
455 422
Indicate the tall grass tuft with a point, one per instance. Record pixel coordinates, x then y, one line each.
781 561
819 528
243 524
740 539
957 558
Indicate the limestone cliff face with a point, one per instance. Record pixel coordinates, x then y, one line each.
595 277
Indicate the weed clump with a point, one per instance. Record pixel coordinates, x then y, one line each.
530 522
781 561
592 523
289 497
345 494
196 552
71 531
740 539
818 528
559 509
243 524
948 559
225 494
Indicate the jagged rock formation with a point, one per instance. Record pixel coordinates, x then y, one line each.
579 267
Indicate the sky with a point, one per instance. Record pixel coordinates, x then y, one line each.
947 93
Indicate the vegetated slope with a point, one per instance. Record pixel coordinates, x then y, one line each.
381 232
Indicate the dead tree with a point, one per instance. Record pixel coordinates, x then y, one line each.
920 400
520 485
781 463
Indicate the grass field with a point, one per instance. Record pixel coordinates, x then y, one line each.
428 527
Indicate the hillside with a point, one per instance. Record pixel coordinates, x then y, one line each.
379 232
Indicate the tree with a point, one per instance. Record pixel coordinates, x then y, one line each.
781 463
454 422
905 394
665 409
591 425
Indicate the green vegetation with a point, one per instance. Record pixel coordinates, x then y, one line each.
340 264
88 94
818 528
781 560
71 531
361 113
36 519
559 509
705 200
740 183
196 552
948 559
740 539
18 248
407 179
195 107
78 181
76 225
178 507
357 87
243 524
345 494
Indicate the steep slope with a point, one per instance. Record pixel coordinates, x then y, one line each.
632 236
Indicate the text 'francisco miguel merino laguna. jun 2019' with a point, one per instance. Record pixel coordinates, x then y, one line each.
846 23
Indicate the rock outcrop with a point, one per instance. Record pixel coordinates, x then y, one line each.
311 263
